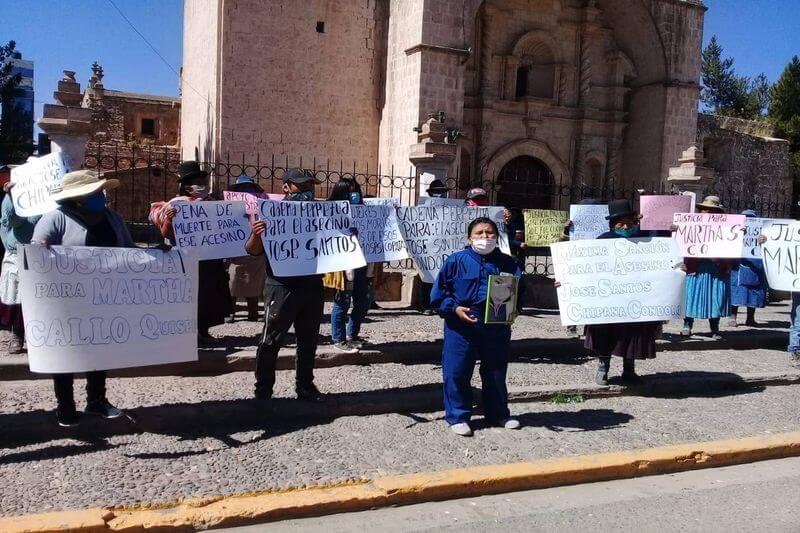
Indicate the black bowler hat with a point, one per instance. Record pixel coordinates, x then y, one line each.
619 209
297 176
190 169
437 186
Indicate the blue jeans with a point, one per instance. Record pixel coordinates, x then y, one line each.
794 324
359 297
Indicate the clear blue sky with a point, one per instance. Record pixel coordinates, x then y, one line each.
762 36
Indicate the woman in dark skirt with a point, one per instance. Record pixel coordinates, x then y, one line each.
630 341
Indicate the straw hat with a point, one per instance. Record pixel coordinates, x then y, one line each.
81 183
712 202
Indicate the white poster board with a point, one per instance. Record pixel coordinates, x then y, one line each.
394 202
305 238
781 254
431 201
379 233
612 281
33 182
433 233
92 308
211 229
710 235
588 221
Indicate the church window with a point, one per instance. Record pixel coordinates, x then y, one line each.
522 83
320 27
148 127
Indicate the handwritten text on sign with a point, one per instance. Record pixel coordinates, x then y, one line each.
379 233
710 235
618 280
250 199
588 221
658 211
304 238
102 308
212 230
544 226
781 254
434 233
33 182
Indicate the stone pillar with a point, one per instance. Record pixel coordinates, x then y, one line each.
67 123
432 155
691 175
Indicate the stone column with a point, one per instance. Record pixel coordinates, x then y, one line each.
432 155
691 175
67 123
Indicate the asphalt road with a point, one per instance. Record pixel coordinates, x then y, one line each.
762 496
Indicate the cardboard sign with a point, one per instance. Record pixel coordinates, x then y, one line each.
211 230
710 235
781 254
431 201
588 221
433 233
379 233
544 226
33 182
305 238
91 308
658 211
614 281
250 200
393 202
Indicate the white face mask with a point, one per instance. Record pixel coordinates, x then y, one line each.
484 246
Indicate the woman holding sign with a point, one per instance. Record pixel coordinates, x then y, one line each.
748 285
477 325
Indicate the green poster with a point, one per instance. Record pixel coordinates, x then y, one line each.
544 226
501 299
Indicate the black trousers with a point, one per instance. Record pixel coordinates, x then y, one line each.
95 388
284 307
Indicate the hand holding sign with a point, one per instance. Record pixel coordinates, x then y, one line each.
33 182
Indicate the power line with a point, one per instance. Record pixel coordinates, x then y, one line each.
153 48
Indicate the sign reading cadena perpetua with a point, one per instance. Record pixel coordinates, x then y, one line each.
618 280
101 308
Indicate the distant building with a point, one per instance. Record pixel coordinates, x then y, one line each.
17 110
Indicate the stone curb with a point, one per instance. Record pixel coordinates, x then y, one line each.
221 361
229 511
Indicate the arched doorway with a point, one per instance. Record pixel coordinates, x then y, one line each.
525 182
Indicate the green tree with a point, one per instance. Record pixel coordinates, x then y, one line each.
785 108
726 93
14 146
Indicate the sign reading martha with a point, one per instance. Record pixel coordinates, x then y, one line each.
544 226
781 254
612 281
304 238
379 233
658 211
211 230
250 199
33 182
433 233
588 221
710 235
102 308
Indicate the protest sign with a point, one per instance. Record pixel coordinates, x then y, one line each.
33 182
781 254
394 202
658 211
433 233
304 238
710 234
91 308
544 226
211 230
431 201
250 199
588 221
613 281
752 250
379 233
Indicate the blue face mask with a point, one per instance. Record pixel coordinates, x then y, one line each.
630 232
355 198
304 196
95 203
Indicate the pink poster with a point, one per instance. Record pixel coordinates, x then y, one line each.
657 211
710 235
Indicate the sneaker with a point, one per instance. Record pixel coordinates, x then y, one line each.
345 347
572 332
14 346
601 375
794 358
308 393
732 322
686 332
356 343
427 312
68 418
102 408
716 336
509 423
462 429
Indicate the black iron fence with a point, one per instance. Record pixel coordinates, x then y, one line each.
149 174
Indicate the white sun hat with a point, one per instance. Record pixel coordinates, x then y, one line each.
81 183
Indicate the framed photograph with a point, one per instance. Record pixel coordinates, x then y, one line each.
501 300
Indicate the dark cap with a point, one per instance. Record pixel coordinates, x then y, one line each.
295 175
477 192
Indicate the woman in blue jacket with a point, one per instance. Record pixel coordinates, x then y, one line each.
459 294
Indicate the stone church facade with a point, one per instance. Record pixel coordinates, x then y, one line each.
584 92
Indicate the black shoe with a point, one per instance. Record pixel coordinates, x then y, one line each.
630 378
308 393
102 408
15 346
428 312
263 394
68 418
230 319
